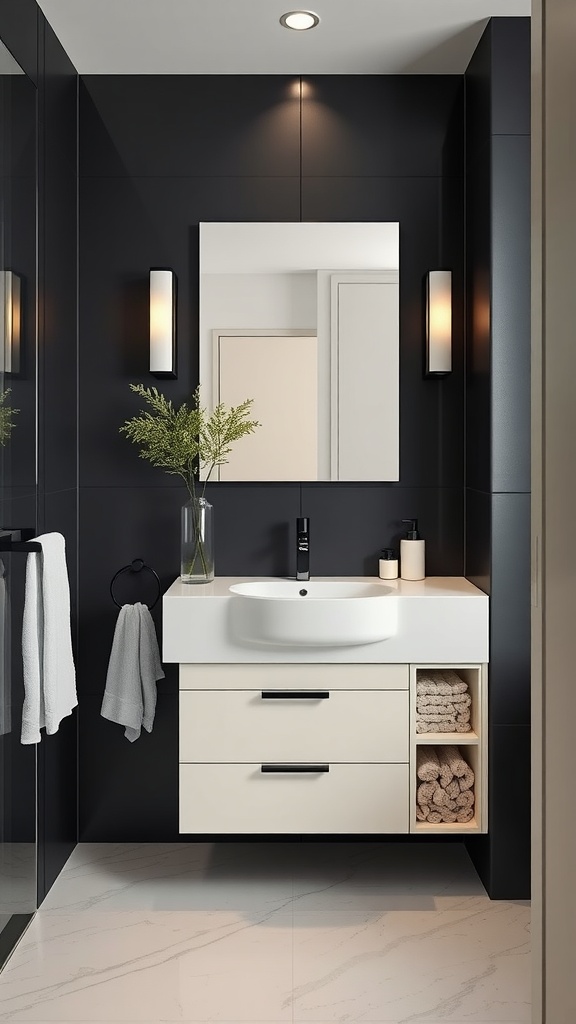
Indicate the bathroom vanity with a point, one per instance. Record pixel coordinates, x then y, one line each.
307 737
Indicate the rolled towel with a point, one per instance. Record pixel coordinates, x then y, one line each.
464 800
465 815
440 798
448 816
422 813
446 774
425 793
435 716
438 686
427 764
435 817
455 681
446 710
451 760
453 789
463 727
429 700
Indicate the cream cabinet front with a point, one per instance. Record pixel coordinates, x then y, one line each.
314 748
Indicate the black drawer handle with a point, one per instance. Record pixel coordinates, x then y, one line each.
295 694
295 768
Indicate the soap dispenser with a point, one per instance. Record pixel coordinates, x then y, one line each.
412 553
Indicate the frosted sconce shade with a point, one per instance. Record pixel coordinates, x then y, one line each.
162 323
438 323
11 320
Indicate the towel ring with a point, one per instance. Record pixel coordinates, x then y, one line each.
136 566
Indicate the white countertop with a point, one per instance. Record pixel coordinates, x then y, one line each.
432 586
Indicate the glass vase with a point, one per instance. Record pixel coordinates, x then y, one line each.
197 542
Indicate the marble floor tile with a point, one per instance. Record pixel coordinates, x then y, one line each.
151 966
380 876
173 876
409 966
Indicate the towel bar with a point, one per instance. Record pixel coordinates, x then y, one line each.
136 565
24 544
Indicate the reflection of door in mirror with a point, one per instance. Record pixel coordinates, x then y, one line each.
303 319
279 372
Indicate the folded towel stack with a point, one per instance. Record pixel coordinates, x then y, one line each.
445 786
442 702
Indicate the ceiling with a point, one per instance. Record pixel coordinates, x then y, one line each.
184 37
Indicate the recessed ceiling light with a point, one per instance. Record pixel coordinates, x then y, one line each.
299 20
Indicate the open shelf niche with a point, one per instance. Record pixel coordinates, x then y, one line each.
473 747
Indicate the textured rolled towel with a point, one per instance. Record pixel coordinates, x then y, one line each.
422 813
431 700
454 680
438 686
443 712
425 793
453 789
465 800
440 798
451 762
435 716
435 817
465 815
442 815
462 726
427 764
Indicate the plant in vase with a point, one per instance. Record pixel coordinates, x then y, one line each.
190 442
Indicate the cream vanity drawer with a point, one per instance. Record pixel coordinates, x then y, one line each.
293 725
301 677
241 798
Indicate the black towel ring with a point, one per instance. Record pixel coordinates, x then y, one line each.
136 566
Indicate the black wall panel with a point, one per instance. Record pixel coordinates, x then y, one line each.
498 427
19 21
159 155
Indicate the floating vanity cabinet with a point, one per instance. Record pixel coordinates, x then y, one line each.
294 748
307 739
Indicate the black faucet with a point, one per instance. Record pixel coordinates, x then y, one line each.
303 548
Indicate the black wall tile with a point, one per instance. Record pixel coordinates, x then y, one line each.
363 125
510 610
509 812
479 321
190 125
478 97
350 523
511 313
478 538
57 801
510 76
129 791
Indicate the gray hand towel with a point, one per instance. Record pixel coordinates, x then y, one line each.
133 670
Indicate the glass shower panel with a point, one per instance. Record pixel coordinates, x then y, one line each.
18 483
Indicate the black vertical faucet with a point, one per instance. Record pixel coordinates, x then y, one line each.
303 548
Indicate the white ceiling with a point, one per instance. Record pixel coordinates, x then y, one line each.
244 36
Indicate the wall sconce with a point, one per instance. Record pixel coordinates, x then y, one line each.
162 322
11 321
438 323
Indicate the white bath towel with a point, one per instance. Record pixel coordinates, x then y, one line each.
133 670
5 655
49 674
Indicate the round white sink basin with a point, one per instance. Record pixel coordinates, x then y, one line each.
334 613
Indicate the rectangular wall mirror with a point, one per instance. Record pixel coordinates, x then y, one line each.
304 319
